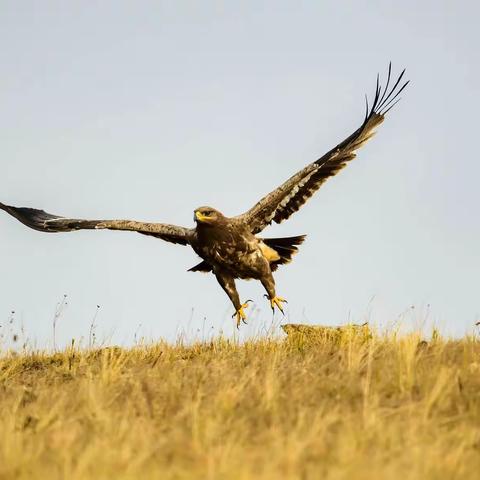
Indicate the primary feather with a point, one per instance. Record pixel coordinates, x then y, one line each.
280 204
46 222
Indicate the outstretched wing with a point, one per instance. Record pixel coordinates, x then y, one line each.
45 222
289 197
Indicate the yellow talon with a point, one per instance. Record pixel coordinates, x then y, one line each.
240 314
278 302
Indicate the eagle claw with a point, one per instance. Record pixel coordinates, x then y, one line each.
277 301
240 314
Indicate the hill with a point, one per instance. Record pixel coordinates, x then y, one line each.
350 406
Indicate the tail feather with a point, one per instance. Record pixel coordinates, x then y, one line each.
286 247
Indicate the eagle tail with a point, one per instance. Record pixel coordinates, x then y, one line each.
285 247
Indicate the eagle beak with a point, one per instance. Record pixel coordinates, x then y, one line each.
198 217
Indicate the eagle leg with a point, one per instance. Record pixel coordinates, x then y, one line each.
240 314
276 301
269 284
227 282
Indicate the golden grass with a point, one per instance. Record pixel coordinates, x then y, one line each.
340 407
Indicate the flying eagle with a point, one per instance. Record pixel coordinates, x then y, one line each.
229 246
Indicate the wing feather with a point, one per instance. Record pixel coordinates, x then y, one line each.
46 222
278 205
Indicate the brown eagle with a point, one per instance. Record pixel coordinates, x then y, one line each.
229 246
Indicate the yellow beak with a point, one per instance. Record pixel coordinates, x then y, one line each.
199 217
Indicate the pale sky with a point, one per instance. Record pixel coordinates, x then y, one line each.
146 110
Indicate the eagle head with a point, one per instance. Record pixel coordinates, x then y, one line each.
207 215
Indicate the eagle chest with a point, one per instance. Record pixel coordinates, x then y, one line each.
226 246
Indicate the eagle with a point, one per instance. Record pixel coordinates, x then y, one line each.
230 247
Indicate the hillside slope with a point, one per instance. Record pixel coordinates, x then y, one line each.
346 407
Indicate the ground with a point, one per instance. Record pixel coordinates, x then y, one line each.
355 405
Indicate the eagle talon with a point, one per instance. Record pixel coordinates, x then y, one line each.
240 314
277 301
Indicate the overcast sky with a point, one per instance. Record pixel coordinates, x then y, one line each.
146 110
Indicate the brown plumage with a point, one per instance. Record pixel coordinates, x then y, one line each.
229 247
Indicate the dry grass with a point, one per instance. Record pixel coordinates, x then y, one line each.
348 406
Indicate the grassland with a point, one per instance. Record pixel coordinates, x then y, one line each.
334 407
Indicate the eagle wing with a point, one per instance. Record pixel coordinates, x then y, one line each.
278 205
45 222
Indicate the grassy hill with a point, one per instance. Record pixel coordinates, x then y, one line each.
347 406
